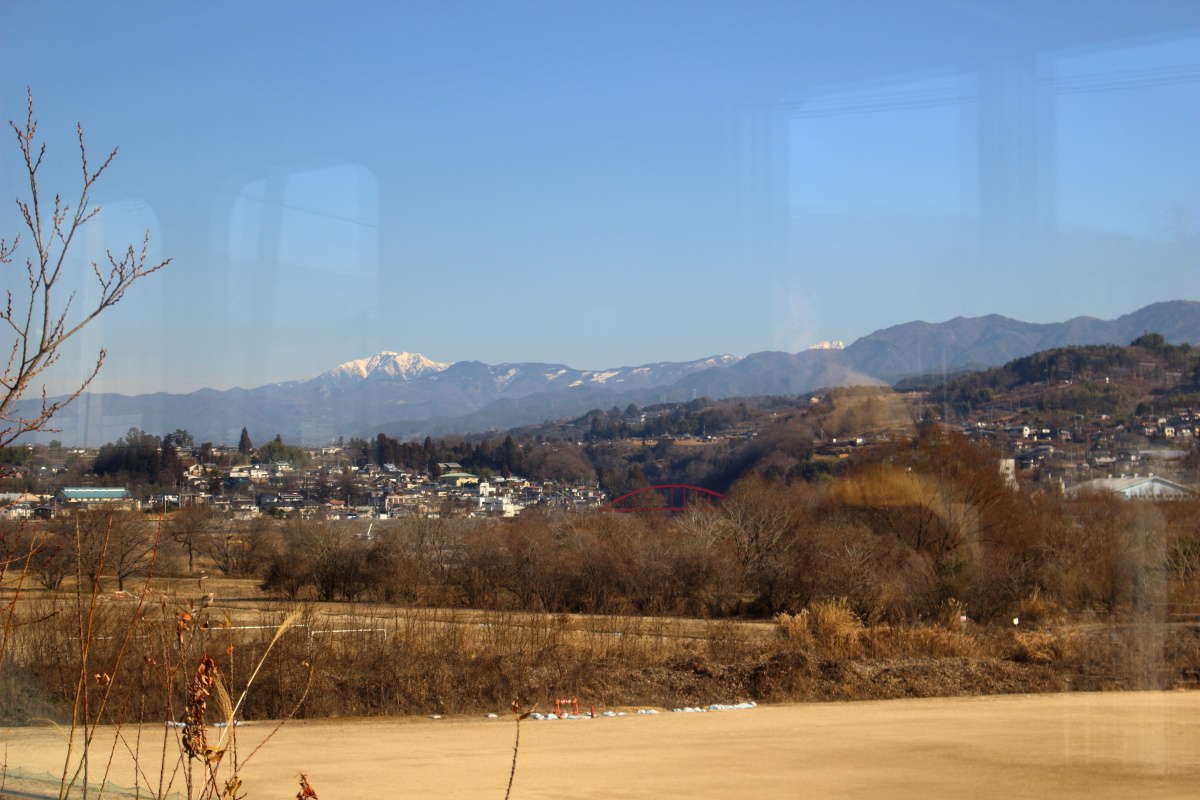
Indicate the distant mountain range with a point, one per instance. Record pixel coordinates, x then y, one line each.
407 394
967 342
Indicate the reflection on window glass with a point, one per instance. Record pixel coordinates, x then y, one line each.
1126 140
895 149
870 167
323 219
1127 182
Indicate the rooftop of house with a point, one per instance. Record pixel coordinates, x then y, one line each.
1126 483
95 493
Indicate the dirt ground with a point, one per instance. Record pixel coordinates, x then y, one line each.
1119 744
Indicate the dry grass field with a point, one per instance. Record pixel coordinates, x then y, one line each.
1083 745
244 603
371 659
364 678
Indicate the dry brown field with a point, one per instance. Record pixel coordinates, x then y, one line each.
1116 744
244 603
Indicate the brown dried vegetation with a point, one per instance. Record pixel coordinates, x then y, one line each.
901 579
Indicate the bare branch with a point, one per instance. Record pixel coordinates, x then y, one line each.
39 321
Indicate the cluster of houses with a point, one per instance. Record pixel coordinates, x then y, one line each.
1142 458
27 505
366 492
383 492
1138 457
1183 424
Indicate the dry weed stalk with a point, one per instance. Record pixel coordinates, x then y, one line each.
10 608
200 687
82 714
520 714
205 683
101 668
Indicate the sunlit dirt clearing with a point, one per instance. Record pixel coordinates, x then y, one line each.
1120 744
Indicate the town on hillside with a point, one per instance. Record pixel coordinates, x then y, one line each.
324 482
1102 418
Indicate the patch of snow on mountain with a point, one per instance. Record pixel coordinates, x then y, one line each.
715 361
554 375
506 377
389 364
601 377
640 371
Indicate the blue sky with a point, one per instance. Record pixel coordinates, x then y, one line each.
609 183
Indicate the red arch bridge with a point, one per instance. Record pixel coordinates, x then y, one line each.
663 497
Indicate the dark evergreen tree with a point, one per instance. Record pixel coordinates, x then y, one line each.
359 451
170 471
244 444
509 456
137 453
179 438
1150 341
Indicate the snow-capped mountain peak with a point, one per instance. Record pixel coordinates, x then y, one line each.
387 364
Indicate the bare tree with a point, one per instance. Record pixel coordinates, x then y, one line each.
38 317
238 549
50 559
187 527
108 542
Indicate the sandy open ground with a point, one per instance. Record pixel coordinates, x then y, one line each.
1127 744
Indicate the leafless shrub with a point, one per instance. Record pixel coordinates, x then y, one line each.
1045 647
919 641
1035 608
827 628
